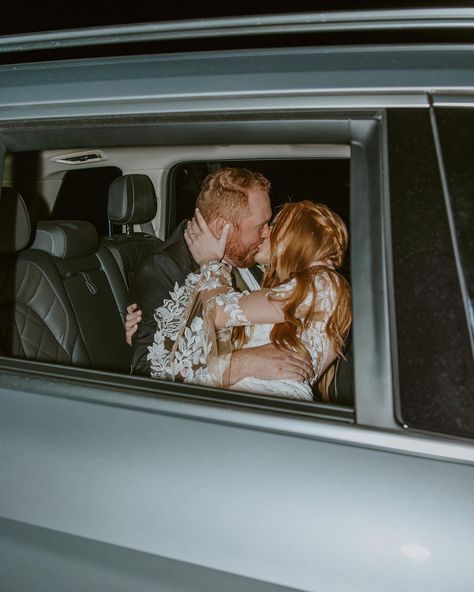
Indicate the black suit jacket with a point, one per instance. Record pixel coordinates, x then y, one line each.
153 282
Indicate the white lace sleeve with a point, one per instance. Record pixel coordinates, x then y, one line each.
315 337
215 275
170 318
232 309
282 292
183 338
230 304
217 281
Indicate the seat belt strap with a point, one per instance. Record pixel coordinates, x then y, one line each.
147 228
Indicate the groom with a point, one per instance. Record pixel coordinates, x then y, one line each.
238 196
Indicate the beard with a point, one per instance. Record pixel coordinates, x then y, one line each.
238 254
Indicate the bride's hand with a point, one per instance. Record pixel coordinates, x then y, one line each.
202 243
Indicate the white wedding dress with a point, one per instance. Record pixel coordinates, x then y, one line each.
290 389
185 343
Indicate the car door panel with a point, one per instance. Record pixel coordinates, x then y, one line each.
269 506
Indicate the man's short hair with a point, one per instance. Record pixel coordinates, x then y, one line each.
225 193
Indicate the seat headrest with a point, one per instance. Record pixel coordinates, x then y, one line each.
15 227
66 239
132 200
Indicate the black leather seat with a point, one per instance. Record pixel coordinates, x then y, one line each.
341 390
36 319
73 248
56 304
132 200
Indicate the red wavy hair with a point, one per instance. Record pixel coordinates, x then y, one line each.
306 232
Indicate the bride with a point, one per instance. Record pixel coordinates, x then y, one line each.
304 305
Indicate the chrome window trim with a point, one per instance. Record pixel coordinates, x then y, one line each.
214 103
371 336
432 446
454 98
372 360
211 28
314 78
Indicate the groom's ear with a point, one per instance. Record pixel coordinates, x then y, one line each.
219 225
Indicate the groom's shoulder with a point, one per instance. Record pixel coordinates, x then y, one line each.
171 258
175 245
162 262
158 259
157 274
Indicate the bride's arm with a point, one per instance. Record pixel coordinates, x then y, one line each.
233 309
230 308
236 309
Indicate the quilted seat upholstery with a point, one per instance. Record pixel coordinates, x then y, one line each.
56 304
36 319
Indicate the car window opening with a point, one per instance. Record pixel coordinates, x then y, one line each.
83 265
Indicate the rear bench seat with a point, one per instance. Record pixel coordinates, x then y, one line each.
56 302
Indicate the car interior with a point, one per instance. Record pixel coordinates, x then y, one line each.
76 225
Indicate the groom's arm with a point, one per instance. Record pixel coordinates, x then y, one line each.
152 283
269 362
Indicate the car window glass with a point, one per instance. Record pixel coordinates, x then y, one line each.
456 131
435 367
84 194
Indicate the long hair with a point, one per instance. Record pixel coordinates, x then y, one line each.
305 233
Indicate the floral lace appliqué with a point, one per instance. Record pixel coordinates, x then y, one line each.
214 274
231 304
190 349
218 275
282 291
180 352
315 337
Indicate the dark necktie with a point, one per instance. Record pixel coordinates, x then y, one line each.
239 282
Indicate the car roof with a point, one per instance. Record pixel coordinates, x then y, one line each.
60 16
